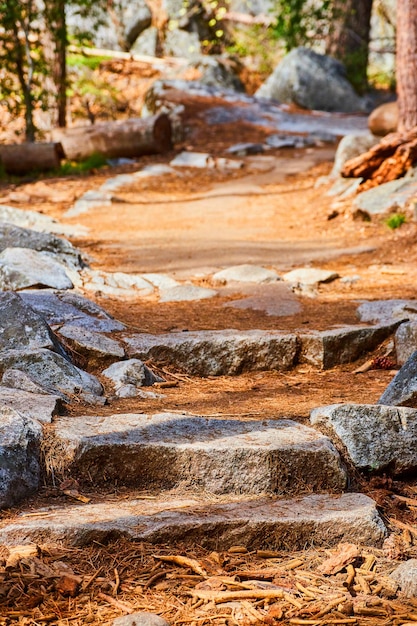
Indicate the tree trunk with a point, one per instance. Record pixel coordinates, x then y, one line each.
407 63
61 64
130 138
28 157
348 39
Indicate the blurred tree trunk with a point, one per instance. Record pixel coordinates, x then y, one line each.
56 24
407 63
348 39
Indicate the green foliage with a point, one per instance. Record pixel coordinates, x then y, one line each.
93 162
81 60
257 46
395 220
301 22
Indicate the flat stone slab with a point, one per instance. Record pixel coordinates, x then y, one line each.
310 276
276 298
22 267
217 352
387 310
35 406
246 274
170 450
61 307
392 195
402 390
95 347
321 520
328 348
38 221
116 283
376 437
185 293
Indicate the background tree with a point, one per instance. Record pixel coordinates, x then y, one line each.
348 38
406 64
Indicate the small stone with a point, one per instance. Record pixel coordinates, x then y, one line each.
131 372
127 391
247 274
243 149
140 619
21 268
405 341
310 276
406 576
160 281
186 293
383 310
193 159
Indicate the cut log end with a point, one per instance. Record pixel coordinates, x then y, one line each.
19 159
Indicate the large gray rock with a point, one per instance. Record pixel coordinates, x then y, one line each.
21 268
59 308
115 31
131 372
21 327
377 438
147 42
402 390
219 352
215 72
12 236
96 348
34 406
171 450
20 440
182 44
313 81
392 196
351 146
53 373
319 520
406 576
405 341
328 348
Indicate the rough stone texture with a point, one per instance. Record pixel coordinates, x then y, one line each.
95 347
246 273
116 283
21 327
392 196
405 341
217 353
377 438
313 81
387 310
34 406
60 308
309 276
19 456
12 236
170 450
38 221
402 390
15 379
131 372
182 44
321 520
54 373
140 619
147 42
328 348
21 268
350 146
406 576
185 293
215 72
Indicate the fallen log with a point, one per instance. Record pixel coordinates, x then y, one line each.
18 159
388 160
130 138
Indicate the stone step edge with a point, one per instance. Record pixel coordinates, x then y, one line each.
291 524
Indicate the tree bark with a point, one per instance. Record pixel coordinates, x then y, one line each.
131 138
348 39
406 72
28 157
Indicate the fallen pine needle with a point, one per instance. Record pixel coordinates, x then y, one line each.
115 603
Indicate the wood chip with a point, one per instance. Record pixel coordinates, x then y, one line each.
230 596
183 561
346 553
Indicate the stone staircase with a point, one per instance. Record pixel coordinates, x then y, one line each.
215 482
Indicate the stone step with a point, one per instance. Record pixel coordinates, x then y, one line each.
319 520
231 352
172 450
